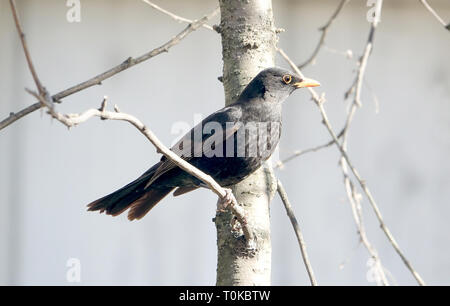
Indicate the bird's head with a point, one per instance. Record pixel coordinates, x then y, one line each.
275 84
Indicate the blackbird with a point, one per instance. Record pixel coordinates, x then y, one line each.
245 135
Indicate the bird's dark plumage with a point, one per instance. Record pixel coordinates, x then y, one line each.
229 145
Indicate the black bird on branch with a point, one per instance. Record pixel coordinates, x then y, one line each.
245 135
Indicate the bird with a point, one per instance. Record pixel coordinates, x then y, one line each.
229 145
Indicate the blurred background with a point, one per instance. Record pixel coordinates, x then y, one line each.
399 141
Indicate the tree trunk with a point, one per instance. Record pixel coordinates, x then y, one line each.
248 46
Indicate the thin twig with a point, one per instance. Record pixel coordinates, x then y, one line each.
298 153
298 232
130 62
324 31
433 12
356 87
319 102
25 48
355 202
353 196
280 164
174 16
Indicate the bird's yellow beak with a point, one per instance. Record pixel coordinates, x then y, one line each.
307 83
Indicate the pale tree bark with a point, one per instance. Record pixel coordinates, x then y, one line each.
248 46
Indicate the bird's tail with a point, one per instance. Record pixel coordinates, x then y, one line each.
135 196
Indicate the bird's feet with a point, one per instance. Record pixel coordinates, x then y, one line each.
226 201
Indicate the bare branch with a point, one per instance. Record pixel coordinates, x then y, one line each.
280 164
356 87
433 12
71 120
319 102
75 119
298 232
298 153
353 196
25 48
130 62
174 16
355 202
324 30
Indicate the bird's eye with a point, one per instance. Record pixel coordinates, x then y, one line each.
287 79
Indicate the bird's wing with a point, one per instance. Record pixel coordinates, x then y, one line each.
230 114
